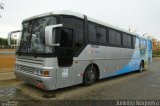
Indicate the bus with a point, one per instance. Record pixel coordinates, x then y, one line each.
64 48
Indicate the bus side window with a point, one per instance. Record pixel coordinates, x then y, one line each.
112 37
137 43
78 34
67 21
125 40
101 35
129 41
140 43
78 31
118 39
92 33
134 42
143 44
150 45
67 38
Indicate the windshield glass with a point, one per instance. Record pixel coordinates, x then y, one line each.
33 36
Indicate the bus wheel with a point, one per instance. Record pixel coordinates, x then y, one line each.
90 75
141 68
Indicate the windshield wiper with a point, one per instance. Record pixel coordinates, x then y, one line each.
35 54
35 51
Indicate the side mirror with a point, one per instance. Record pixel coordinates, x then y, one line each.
50 34
10 34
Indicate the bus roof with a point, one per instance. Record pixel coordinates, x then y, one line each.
76 14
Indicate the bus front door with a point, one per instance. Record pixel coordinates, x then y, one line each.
65 58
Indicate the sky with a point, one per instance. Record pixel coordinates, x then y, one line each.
142 16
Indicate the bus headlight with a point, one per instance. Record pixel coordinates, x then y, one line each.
40 72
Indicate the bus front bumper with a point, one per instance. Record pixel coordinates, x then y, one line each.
45 83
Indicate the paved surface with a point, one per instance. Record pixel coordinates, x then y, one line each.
7 52
6 75
132 86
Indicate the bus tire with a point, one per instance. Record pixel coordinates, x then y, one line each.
141 67
90 75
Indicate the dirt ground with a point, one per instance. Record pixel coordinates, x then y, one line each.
6 60
7 49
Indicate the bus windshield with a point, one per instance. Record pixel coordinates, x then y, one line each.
33 37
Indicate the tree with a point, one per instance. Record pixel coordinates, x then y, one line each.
3 43
156 47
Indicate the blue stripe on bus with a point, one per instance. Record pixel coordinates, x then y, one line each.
133 65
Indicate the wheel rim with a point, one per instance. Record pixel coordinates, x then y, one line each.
90 75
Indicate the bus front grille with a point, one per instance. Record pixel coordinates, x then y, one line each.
26 69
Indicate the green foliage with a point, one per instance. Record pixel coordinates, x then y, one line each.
156 53
3 43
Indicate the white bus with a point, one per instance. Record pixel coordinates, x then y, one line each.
64 48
